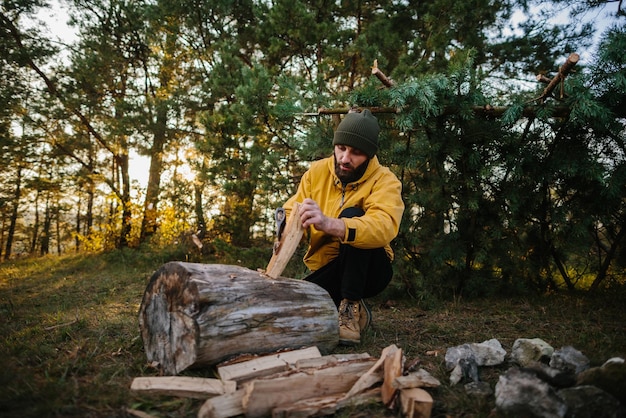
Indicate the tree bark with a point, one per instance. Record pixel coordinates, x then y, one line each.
195 315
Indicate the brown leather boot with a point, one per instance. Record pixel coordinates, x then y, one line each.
349 328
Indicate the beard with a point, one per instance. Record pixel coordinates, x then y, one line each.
352 174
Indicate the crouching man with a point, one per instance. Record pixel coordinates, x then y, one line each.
353 205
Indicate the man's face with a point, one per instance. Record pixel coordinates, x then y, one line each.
350 163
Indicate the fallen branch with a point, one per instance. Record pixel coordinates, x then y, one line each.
65 324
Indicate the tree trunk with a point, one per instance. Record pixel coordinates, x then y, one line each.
153 188
44 243
14 212
127 214
195 315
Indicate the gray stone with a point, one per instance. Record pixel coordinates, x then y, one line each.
456 375
480 389
526 351
487 353
465 369
522 394
590 402
611 377
554 377
454 354
569 359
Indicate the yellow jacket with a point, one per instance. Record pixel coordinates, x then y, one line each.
378 193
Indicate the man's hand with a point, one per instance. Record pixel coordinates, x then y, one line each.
311 215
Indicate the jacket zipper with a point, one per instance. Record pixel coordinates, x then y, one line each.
343 195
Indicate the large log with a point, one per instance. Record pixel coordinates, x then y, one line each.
195 315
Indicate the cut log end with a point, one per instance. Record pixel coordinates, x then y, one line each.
165 320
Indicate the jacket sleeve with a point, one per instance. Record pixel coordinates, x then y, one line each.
383 212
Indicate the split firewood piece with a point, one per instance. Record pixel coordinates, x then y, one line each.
291 237
264 394
323 406
371 376
223 406
393 369
329 360
266 365
186 387
418 379
416 403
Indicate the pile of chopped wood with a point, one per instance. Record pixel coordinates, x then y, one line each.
302 383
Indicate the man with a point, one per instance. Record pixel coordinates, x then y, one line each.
353 206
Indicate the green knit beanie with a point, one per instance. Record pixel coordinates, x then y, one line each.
359 130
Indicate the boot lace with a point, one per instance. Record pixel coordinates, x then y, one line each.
347 313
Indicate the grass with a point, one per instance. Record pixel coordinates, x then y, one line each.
71 345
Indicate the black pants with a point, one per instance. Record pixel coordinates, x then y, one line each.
355 273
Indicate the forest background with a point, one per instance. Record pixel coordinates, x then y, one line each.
515 199
507 190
